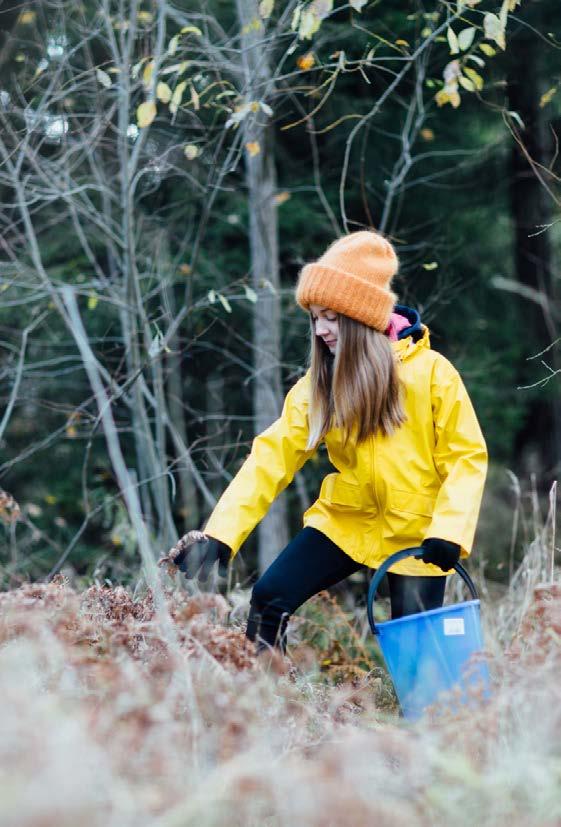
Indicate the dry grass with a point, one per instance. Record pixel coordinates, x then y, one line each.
104 723
108 719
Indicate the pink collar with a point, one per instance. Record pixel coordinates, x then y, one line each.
396 325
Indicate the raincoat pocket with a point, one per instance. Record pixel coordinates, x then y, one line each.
339 493
411 502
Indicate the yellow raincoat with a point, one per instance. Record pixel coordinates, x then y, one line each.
389 493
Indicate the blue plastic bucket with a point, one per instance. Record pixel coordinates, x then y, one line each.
434 655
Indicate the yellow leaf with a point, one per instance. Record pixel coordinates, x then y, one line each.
172 45
26 17
191 30
253 148
177 95
71 432
427 134
474 77
92 301
487 49
163 92
136 68
116 540
401 42
191 152
431 265
266 8
305 61
467 84
145 114
281 198
185 269
176 67
447 96
253 25
50 499
145 17
547 96
147 73
195 100
296 17
311 18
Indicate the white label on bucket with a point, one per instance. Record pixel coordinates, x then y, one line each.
454 626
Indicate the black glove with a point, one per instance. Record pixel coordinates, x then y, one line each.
204 555
441 553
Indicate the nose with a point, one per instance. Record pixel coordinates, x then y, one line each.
321 327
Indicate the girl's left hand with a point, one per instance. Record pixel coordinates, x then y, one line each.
441 553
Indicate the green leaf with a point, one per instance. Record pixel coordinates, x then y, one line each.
225 303
250 294
477 60
452 41
465 38
266 8
103 78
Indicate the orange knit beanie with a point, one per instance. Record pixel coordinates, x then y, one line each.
353 277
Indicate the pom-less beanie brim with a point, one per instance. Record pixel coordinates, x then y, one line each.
346 293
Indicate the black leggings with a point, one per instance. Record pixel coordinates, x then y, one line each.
312 562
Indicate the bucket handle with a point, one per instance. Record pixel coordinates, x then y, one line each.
415 551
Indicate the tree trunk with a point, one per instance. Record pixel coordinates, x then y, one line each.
263 238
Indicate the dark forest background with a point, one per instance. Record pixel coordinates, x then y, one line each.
165 171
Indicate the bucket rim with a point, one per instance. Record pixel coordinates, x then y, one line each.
428 612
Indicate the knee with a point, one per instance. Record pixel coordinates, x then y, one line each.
268 593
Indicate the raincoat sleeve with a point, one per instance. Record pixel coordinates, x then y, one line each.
460 457
276 455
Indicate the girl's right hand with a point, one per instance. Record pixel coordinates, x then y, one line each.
197 551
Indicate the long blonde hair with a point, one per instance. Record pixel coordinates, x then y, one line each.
358 387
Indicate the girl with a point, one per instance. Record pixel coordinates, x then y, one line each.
399 428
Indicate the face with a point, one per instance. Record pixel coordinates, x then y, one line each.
326 325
